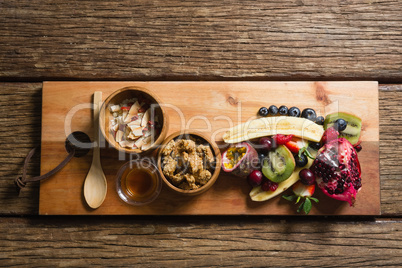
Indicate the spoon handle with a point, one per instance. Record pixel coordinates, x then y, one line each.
97 104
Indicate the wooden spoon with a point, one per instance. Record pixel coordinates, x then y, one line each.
95 186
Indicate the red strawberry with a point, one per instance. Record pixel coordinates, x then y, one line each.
305 192
281 139
329 135
293 146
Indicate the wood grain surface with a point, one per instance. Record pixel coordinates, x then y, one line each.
195 40
210 108
198 40
189 241
206 242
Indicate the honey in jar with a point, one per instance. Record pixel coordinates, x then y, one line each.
139 184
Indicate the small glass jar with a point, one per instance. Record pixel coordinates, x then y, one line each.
138 182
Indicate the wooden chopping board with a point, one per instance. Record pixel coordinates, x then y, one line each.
209 107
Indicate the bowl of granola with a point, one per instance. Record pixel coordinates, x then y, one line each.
189 162
133 121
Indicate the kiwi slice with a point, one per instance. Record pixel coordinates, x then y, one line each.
279 164
353 129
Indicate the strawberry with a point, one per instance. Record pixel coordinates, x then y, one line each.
281 139
329 135
305 192
302 190
293 146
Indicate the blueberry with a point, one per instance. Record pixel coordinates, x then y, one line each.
314 145
340 124
294 111
309 113
273 110
263 111
261 156
319 120
283 110
301 160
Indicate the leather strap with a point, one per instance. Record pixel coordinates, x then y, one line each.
21 181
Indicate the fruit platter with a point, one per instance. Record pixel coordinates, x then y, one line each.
315 151
286 148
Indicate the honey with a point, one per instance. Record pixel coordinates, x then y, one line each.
139 184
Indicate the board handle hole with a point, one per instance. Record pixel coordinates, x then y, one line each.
80 141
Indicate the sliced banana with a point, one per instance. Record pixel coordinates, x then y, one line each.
268 126
257 194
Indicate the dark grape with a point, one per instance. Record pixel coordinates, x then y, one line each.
307 177
255 178
266 144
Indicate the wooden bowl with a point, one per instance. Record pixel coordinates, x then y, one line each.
127 93
215 151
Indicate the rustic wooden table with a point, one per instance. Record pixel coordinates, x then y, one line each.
195 40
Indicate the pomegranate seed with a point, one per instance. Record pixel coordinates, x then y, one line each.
273 186
358 148
269 186
265 186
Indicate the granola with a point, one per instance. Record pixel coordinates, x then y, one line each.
188 163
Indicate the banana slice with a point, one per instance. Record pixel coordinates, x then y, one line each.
268 126
257 194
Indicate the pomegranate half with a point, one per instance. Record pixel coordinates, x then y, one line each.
337 170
